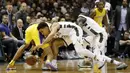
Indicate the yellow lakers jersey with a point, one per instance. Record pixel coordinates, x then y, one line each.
99 16
32 34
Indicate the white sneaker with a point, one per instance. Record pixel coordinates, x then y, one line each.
54 63
45 68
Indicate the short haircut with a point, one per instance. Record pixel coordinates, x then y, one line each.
42 25
4 14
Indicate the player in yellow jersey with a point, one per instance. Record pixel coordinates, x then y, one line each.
36 33
99 14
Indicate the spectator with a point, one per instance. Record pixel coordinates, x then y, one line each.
44 19
13 21
28 20
85 9
63 10
54 19
48 5
0 16
67 17
99 14
9 11
75 10
29 10
8 39
121 21
125 45
18 31
62 19
38 9
42 6
22 13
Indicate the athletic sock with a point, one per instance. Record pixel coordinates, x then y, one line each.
111 60
54 62
12 62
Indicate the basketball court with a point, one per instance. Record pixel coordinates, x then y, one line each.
65 66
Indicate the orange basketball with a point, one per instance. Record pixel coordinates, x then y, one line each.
31 60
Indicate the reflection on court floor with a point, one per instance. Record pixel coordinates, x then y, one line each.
65 66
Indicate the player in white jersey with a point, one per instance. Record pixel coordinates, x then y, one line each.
74 32
99 39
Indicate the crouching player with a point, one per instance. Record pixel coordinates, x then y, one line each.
37 33
99 39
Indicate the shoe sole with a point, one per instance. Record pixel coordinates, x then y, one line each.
122 68
50 66
46 69
84 66
11 69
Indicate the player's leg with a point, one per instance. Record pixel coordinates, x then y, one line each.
55 45
19 52
80 49
47 48
120 65
46 52
86 62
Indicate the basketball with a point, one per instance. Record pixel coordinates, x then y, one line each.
31 60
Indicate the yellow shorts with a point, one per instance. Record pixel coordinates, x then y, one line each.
45 45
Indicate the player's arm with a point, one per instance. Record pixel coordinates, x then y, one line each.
52 34
105 21
92 14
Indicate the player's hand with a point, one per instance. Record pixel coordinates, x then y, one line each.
36 48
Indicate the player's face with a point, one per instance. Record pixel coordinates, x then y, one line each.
100 5
45 31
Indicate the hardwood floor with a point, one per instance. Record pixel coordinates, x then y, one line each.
65 66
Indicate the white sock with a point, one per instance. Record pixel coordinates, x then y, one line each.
110 60
116 62
54 62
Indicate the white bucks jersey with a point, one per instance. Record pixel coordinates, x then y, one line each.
91 27
69 28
